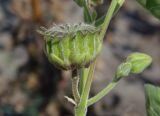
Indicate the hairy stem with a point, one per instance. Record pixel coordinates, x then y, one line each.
102 93
86 79
75 81
105 25
83 73
109 15
81 109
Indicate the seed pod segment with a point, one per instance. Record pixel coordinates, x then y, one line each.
71 46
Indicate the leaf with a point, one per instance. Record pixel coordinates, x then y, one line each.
80 2
142 2
94 15
87 15
152 94
99 21
153 6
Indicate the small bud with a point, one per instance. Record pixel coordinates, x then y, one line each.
71 46
139 61
123 70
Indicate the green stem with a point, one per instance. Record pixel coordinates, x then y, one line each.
75 82
75 91
101 94
83 73
108 17
86 79
105 25
81 109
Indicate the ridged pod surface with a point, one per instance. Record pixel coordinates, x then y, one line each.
71 46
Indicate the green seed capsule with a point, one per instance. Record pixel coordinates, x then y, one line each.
71 46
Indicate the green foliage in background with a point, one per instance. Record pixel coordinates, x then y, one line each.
152 6
152 94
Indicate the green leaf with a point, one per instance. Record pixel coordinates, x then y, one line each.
99 21
142 2
153 6
89 15
80 2
152 94
94 15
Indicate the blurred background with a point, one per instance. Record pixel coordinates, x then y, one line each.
31 86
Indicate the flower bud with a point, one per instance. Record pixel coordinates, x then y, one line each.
123 70
139 61
72 46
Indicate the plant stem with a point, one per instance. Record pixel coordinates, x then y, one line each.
108 17
86 76
101 94
81 109
107 20
83 73
75 92
75 81
105 25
